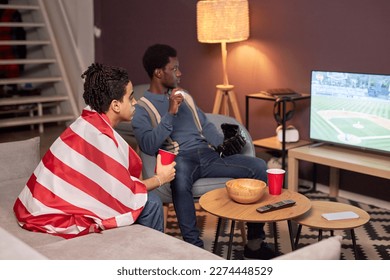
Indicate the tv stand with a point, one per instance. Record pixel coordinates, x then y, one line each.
336 158
319 144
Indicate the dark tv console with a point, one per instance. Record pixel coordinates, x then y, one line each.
336 158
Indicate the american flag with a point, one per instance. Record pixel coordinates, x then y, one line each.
86 182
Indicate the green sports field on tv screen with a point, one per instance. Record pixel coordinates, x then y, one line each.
351 109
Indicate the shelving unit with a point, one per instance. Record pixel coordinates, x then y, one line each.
272 143
43 70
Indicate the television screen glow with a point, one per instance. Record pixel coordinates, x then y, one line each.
351 109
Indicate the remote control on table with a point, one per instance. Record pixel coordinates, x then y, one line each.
276 206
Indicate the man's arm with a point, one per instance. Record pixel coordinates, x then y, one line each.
213 136
150 138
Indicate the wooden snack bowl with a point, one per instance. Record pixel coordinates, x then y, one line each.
245 191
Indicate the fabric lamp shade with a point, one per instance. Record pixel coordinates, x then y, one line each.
222 21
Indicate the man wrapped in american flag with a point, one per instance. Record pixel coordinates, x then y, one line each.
88 181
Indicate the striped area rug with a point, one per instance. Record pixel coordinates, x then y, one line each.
373 238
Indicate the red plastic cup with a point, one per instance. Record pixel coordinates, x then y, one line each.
275 180
166 157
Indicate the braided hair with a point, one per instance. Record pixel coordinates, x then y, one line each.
103 84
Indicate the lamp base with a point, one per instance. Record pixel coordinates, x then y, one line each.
223 95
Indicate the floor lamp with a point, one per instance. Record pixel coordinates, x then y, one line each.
223 21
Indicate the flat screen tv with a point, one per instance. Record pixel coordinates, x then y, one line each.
351 109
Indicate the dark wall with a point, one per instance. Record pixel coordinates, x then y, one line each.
287 40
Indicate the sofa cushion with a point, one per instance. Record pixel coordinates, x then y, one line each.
135 242
18 158
12 248
326 249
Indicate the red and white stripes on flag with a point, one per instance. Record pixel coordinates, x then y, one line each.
86 182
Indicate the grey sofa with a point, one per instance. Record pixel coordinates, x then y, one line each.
18 160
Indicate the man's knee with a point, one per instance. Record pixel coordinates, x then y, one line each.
181 186
259 168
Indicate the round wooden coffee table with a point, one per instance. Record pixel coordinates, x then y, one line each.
218 203
313 219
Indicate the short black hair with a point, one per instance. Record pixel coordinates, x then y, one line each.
103 84
157 56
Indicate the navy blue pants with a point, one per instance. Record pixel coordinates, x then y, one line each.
206 163
152 215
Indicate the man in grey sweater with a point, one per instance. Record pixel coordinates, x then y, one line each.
196 153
